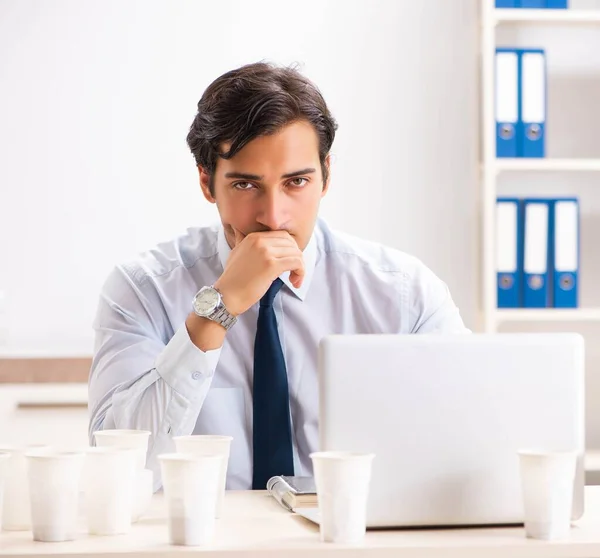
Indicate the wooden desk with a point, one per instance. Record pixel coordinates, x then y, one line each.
254 526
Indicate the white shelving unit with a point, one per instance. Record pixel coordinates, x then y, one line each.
548 315
546 165
492 168
543 16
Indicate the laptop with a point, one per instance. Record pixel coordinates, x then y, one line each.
445 416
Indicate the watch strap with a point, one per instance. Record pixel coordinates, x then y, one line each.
222 316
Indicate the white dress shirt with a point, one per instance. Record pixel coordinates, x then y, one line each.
147 374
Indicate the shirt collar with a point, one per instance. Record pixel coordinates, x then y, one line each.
310 260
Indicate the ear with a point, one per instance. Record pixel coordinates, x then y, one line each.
328 181
205 184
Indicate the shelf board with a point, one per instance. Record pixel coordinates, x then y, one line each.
547 164
545 16
548 315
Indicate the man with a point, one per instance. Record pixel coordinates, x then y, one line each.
217 332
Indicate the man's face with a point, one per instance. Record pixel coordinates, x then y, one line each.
274 183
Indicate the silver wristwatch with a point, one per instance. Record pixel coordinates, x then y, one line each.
208 304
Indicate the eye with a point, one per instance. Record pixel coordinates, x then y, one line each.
298 182
243 185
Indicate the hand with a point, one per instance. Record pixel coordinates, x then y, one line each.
255 262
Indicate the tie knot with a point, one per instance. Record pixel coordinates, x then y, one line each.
269 296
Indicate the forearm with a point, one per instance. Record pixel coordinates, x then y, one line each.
204 333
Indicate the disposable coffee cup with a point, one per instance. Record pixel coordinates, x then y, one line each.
208 445
54 479
191 486
342 480
16 509
547 481
143 490
109 489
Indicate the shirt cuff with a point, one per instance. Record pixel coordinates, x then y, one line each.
183 366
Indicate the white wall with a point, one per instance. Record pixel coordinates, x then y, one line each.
96 99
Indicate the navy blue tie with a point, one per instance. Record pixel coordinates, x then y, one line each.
272 432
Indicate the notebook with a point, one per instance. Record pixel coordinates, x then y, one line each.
293 492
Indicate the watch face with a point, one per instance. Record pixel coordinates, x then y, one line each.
206 301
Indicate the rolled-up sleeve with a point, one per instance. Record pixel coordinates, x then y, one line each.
140 379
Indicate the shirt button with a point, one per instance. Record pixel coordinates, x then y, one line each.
196 375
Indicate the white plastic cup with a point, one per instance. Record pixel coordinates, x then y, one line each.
126 439
547 480
142 493
54 478
342 480
208 445
4 465
16 509
191 485
109 490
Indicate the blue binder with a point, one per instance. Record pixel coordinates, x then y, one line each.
536 257
557 4
509 258
531 130
507 101
532 3
565 252
506 3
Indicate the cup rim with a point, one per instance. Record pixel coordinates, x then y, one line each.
206 437
538 452
100 450
341 455
55 454
22 449
188 457
114 432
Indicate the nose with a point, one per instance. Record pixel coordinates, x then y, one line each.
273 211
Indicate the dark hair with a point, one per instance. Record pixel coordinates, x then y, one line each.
256 100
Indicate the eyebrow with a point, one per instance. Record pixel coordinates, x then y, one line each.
246 176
